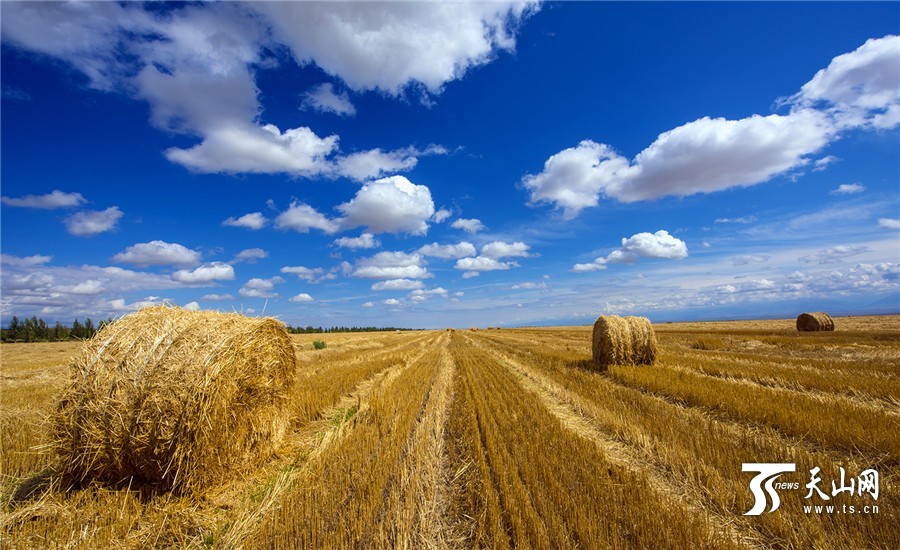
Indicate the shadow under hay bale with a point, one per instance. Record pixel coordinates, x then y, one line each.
814 322
622 341
173 398
584 364
34 486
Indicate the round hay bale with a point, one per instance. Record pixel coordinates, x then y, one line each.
176 399
623 341
814 322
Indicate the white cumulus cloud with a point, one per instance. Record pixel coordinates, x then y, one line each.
499 249
888 223
703 156
27 261
243 148
206 273
448 251
260 288
660 245
302 217
253 220
469 225
573 178
391 265
301 298
90 286
858 89
366 240
389 205
482 263
654 245
398 284
420 295
196 65
93 222
157 253
388 46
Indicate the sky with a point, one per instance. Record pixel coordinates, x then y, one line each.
468 164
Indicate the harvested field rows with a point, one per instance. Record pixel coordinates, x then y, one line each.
461 439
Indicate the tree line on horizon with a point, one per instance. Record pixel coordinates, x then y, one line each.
309 329
35 329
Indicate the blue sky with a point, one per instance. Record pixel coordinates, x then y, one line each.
431 165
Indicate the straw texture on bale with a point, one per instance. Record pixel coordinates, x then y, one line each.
174 398
623 341
815 321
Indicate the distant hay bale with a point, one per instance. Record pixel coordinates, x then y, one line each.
174 398
623 341
814 322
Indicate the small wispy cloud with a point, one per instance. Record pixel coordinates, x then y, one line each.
824 163
324 99
745 219
529 286
848 189
835 254
50 201
250 255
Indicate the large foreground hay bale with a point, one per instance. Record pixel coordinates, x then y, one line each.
174 398
815 321
623 341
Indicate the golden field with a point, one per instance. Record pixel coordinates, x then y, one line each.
504 438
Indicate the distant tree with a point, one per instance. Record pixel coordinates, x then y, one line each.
42 331
31 329
15 330
60 332
77 330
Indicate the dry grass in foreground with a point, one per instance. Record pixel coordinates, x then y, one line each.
501 439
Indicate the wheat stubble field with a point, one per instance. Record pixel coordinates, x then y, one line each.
502 438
